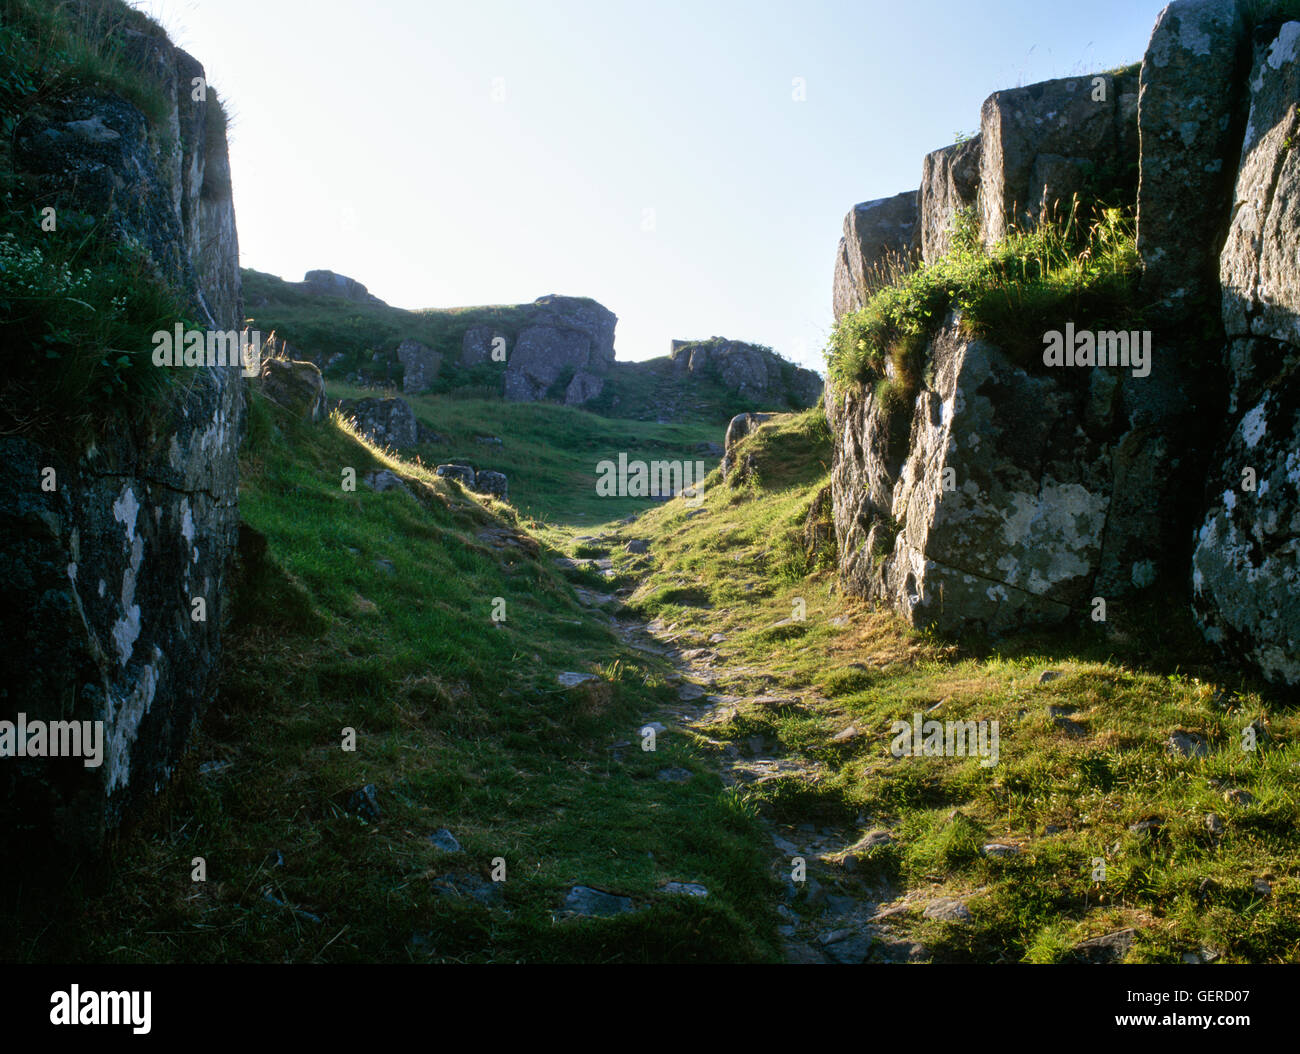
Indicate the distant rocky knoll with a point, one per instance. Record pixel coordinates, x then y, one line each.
1012 497
557 349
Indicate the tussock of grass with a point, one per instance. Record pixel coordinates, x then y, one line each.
1032 281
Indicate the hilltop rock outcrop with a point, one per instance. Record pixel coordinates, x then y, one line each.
327 283
118 553
753 373
562 337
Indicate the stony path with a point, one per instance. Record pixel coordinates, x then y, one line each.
832 915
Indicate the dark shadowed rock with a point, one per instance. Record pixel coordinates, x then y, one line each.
478 343
494 483
420 365
101 572
462 474
297 386
386 422
1113 947
327 283
738 428
594 903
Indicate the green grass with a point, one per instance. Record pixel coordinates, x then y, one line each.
1131 683
550 453
372 612
1030 282
77 304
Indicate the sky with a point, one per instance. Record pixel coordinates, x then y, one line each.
688 164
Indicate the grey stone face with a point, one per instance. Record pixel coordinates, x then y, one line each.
1186 108
872 231
1259 268
950 182
752 373
420 365
388 422
104 569
477 344
541 354
1039 143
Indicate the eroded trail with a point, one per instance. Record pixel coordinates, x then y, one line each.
833 909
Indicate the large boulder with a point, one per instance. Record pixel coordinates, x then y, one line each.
1187 119
117 553
1246 566
873 232
1043 143
950 184
1002 497
420 365
296 386
386 422
1259 268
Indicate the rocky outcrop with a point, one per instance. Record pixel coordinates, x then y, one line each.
478 343
1190 94
753 373
1002 498
562 337
874 231
420 365
950 185
998 495
327 283
118 553
1043 143
1246 564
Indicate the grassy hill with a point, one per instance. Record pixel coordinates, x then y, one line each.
349 339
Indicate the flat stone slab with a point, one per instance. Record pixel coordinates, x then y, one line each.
571 679
586 902
445 840
948 909
687 889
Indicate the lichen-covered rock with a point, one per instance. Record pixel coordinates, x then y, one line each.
950 183
478 342
1042 143
872 231
420 365
1246 565
117 555
563 336
1002 497
297 386
1186 116
1259 268
387 422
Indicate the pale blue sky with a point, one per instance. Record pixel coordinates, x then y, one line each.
367 140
